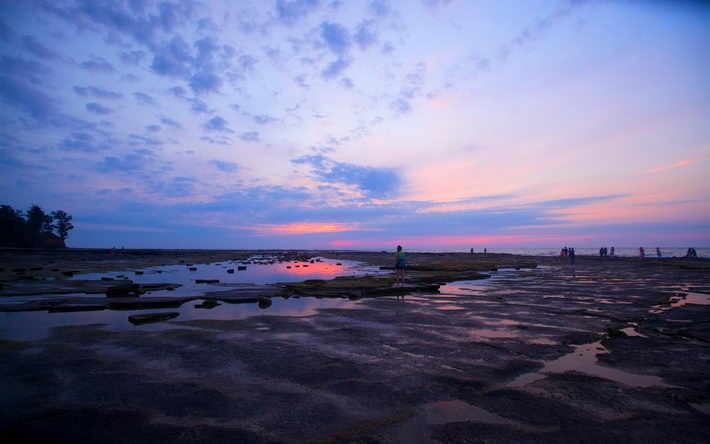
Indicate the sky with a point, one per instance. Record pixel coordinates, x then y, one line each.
363 124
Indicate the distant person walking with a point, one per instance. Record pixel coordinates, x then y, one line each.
571 255
642 253
658 252
400 263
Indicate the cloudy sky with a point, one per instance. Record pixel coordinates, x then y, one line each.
359 124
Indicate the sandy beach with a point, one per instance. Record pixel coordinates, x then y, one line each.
506 349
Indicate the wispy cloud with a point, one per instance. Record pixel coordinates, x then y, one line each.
98 108
669 167
92 91
305 228
217 123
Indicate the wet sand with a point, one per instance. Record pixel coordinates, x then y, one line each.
608 350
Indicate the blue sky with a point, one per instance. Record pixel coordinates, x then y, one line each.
359 124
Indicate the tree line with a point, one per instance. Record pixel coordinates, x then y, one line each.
33 228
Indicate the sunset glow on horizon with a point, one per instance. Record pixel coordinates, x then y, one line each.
441 124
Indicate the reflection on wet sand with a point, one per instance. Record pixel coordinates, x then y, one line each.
584 360
36 325
201 278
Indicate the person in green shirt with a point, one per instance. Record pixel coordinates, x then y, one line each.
400 263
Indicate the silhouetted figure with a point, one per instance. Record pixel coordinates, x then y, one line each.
658 252
400 263
612 251
571 255
642 253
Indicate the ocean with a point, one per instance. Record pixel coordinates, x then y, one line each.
621 252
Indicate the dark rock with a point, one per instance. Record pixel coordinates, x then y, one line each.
157 287
207 281
123 289
146 318
615 331
208 304
264 302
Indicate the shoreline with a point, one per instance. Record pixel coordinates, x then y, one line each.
47 277
100 260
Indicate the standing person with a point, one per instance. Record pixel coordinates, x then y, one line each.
571 255
658 252
400 262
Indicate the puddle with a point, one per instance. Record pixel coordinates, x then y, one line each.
542 341
266 271
584 360
492 333
463 288
450 307
694 298
418 428
631 331
36 325
702 408
680 300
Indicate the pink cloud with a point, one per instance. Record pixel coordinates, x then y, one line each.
305 228
668 167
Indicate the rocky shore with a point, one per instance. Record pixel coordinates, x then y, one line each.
479 348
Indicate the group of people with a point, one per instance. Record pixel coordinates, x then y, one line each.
642 252
566 252
604 252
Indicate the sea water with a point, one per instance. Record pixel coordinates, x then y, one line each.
703 252
36 325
